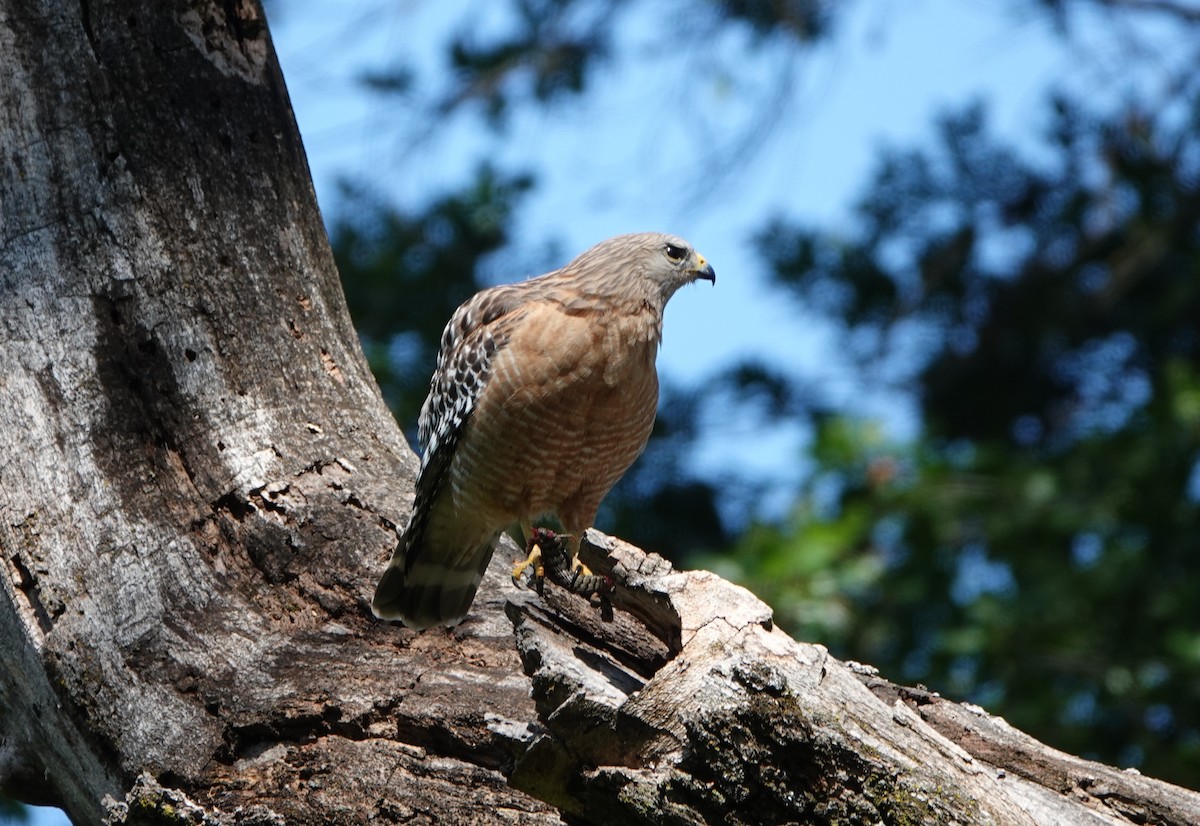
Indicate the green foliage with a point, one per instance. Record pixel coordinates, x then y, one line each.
1038 548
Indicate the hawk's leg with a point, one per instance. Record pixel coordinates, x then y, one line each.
532 560
576 566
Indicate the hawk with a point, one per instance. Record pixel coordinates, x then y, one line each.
544 394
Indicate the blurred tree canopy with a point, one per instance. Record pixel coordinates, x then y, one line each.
1036 547
13 812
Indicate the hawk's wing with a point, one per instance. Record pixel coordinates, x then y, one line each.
469 342
476 331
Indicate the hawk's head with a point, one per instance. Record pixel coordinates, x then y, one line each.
628 262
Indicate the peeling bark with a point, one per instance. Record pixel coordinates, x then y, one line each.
199 484
742 724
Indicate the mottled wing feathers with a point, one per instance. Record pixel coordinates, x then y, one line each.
469 344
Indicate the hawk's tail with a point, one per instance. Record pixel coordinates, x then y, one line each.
424 589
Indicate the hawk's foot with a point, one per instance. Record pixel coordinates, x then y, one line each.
534 561
578 569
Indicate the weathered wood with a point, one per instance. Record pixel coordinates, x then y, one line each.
745 725
199 485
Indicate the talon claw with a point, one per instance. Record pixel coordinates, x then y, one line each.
534 560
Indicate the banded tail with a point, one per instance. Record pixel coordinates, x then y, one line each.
423 587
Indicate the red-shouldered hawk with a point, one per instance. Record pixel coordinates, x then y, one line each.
544 393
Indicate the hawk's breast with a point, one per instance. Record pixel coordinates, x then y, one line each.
568 406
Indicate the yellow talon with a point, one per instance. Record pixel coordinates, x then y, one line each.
578 569
534 560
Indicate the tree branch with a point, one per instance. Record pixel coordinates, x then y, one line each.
744 725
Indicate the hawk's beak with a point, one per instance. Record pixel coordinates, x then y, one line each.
704 269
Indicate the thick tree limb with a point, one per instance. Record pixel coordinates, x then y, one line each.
745 725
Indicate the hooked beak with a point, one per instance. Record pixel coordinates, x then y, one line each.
705 270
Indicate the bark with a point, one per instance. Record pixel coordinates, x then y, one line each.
199 485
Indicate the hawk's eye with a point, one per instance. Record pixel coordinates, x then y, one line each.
675 253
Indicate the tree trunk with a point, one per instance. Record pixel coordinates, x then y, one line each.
199 484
